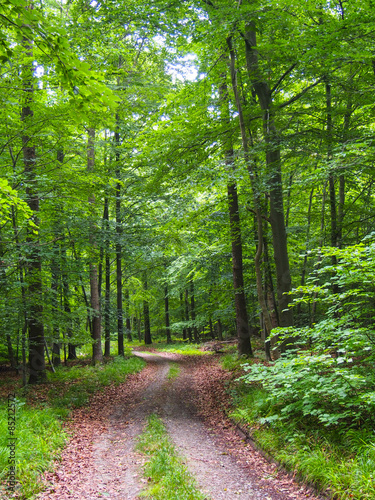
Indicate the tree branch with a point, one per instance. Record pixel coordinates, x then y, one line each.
287 72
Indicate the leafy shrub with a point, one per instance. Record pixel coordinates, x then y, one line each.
330 378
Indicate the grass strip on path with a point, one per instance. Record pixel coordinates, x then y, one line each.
168 476
174 371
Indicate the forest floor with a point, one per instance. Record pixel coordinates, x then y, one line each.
100 460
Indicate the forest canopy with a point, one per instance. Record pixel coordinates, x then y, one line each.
190 170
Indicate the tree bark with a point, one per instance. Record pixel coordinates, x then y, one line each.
146 315
97 355
37 367
242 323
128 320
120 319
55 273
187 319
166 309
182 308
193 316
107 293
273 162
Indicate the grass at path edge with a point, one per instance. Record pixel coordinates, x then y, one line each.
342 466
39 415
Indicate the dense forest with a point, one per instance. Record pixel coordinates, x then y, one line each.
197 170
193 170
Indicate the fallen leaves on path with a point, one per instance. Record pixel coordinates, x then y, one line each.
213 404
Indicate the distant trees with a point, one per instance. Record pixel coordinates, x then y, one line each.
274 117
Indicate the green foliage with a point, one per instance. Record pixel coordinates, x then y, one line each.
86 380
342 463
330 378
231 362
170 479
39 435
182 348
313 408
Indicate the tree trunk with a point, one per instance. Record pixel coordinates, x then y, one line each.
304 266
219 330
187 319
166 308
11 357
273 161
120 319
55 273
243 330
66 301
192 304
182 307
146 315
128 320
37 365
107 293
23 299
97 355
242 323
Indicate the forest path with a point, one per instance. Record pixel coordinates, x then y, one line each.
100 461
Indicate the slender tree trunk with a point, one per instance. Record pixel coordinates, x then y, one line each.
128 319
66 303
23 298
182 308
11 357
166 309
242 323
146 315
97 355
331 177
193 316
55 274
211 326
219 330
304 266
345 136
250 168
55 279
187 318
107 293
120 319
37 365
321 242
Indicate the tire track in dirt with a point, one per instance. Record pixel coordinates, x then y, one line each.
109 467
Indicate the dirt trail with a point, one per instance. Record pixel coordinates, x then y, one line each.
110 468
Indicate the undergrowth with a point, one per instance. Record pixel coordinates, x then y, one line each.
40 438
169 477
339 462
39 413
73 387
181 348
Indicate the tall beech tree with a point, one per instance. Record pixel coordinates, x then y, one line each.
34 269
95 316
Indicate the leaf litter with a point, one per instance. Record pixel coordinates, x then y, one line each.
100 460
